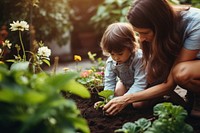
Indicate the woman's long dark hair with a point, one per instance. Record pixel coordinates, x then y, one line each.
158 16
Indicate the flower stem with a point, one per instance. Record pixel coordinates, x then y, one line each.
1 55
23 49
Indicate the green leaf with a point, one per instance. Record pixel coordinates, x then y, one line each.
47 62
101 10
106 93
20 66
31 97
121 131
100 104
188 128
75 88
11 60
3 71
131 127
39 82
143 123
7 95
59 80
81 124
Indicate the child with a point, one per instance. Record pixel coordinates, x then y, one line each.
124 72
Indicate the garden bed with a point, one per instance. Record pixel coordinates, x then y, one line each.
100 123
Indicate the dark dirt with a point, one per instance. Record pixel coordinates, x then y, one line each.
100 123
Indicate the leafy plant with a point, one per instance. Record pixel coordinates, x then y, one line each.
99 63
169 119
106 95
138 126
40 54
93 77
33 103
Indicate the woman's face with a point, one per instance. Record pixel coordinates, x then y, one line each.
121 57
145 34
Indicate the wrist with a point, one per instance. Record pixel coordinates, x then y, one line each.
127 98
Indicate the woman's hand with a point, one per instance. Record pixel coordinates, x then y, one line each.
115 105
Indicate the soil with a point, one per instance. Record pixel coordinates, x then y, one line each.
100 123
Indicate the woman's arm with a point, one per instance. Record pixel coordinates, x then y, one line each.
117 104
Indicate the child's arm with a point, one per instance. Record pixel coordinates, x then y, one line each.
140 81
110 77
109 80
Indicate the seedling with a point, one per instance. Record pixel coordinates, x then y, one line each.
106 95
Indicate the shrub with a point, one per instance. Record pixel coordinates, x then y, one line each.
33 103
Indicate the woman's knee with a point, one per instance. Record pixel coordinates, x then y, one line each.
181 73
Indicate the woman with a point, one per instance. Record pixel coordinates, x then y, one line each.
170 40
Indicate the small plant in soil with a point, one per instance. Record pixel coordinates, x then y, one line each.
106 95
168 119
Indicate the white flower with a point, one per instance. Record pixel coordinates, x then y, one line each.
21 26
7 43
0 50
44 52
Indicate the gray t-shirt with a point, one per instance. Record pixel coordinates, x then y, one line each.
131 73
191 29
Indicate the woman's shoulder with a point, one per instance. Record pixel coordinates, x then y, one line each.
190 20
192 14
191 29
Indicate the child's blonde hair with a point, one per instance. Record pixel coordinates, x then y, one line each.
118 36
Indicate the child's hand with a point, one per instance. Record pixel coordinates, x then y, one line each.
99 104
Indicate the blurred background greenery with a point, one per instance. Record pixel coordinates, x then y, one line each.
73 22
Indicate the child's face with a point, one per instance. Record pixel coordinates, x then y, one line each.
121 57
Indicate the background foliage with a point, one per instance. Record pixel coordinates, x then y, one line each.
50 18
53 18
110 11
